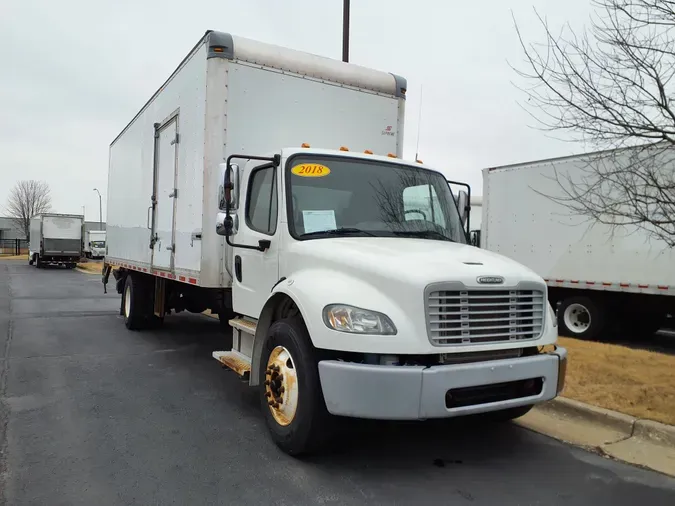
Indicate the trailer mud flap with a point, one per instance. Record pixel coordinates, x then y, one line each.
105 275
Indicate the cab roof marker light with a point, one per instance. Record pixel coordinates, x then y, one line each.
368 152
344 148
391 155
305 145
419 161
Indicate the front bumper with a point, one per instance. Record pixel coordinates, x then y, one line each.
417 392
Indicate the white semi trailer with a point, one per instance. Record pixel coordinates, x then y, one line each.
267 185
600 278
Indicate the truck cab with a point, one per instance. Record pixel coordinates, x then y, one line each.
353 273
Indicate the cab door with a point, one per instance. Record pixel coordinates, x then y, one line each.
256 272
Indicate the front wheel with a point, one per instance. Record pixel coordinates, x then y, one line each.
505 415
290 390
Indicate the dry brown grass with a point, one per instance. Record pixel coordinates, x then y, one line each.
14 257
636 382
91 267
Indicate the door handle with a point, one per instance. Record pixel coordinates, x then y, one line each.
237 268
148 225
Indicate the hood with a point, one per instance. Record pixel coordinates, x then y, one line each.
414 260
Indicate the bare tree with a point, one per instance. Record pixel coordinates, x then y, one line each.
611 87
28 198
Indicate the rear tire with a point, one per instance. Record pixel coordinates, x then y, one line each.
137 300
581 317
31 260
301 423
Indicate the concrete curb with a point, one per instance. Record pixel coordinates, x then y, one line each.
655 432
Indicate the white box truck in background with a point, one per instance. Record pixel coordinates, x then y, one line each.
56 239
94 244
266 185
600 279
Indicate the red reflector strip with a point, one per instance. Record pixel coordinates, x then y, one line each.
575 281
624 285
643 286
559 280
662 287
192 281
181 278
606 284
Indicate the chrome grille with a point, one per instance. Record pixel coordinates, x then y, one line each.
461 317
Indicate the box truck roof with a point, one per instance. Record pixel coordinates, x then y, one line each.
225 45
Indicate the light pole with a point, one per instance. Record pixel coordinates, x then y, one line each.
100 210
345 31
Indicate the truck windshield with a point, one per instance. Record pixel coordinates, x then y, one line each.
337 196
98 244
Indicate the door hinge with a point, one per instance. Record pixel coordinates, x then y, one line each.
174 193
176 140
171 248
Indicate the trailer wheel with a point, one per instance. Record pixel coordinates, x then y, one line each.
136 303
290 390
31 260
38 262
580 317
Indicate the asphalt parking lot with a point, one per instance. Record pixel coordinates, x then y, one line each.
92 414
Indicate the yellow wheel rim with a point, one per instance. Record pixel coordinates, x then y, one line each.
281 386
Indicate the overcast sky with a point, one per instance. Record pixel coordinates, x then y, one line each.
74 72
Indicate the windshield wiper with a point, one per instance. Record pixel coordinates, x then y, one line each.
423 234
340 231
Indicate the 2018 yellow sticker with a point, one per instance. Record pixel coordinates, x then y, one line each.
310 170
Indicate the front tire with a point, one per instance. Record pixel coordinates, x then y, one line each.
506 415
580 317
290 390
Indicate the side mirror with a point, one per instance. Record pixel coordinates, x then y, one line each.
463 205
229 187
224 224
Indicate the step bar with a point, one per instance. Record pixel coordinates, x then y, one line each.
238 359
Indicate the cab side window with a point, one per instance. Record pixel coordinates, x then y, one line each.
261 202
421 203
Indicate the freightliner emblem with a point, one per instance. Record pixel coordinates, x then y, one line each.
490 280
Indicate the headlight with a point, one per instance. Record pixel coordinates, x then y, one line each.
356 320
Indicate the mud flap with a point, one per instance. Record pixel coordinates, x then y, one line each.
105 275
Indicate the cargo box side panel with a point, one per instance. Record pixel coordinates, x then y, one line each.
130 179
35 235
523 223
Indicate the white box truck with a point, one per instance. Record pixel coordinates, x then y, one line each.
55 239
266 185
94 244
601 279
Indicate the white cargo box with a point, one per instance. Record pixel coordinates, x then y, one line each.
231 95
521 221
